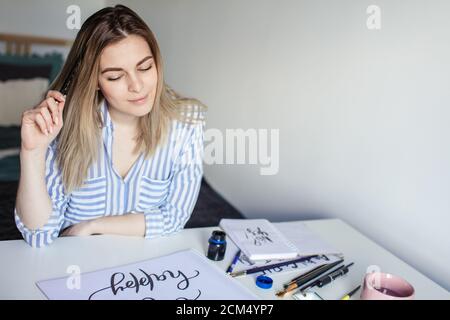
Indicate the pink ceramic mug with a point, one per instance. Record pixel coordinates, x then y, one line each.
385 286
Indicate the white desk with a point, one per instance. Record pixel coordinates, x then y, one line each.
22 266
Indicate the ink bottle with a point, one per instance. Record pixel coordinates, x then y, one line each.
217 245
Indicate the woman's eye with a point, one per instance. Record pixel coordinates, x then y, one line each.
148 68
114 79
117 78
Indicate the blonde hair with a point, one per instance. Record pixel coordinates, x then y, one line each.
80 137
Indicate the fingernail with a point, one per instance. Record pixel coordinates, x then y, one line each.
46 132
51 129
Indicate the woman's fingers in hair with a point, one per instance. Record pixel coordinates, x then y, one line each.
45 113
53 106
58 96
39 119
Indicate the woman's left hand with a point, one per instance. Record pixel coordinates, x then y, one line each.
84 228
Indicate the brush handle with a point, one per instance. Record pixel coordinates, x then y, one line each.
314 273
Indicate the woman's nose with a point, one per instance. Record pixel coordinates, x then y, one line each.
135 84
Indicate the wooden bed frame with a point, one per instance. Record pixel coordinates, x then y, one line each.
21 44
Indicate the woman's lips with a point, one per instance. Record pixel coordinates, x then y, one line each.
139 100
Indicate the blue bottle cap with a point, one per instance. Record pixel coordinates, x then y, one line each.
264 282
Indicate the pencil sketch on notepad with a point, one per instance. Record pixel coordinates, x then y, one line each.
259 239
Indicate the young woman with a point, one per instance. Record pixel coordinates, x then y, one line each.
121 153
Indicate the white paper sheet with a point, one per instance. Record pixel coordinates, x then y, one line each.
305 240
296 267
185 275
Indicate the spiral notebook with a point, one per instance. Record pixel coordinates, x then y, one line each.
259 239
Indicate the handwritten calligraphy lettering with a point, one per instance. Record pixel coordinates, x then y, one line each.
119 282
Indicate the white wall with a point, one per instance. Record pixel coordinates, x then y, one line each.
45 18
363 115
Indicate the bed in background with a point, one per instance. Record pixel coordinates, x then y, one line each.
24 79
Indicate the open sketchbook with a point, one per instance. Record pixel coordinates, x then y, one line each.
259 239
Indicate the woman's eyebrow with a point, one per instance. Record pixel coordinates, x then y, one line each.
120 69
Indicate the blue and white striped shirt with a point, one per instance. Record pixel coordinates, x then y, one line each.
164 187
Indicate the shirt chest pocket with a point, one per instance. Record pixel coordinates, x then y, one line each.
88 201
153 192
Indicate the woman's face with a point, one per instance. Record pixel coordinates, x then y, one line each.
128 77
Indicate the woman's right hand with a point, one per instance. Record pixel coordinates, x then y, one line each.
41 124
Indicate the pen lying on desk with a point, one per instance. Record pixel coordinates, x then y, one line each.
326 279
234 262
308 276
299 281
336 274
351 293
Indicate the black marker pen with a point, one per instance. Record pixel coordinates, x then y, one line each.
330 277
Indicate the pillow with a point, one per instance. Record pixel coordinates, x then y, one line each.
18 96
52 62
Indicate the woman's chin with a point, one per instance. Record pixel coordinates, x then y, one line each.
142 111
